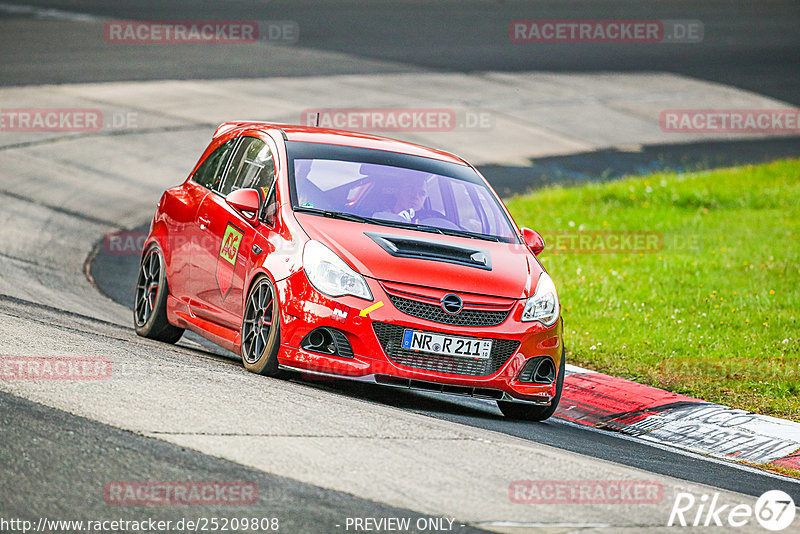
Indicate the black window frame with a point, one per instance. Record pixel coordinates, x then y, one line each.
264 210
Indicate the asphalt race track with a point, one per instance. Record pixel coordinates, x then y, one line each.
752 45
73 454
319 452
115 276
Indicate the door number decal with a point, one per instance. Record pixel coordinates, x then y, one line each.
226 262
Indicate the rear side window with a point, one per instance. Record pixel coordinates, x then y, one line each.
212 168
252 166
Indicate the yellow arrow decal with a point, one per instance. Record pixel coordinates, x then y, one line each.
365 311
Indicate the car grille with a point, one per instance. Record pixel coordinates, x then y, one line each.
435 313
391 338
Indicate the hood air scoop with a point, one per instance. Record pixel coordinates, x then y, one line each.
424 249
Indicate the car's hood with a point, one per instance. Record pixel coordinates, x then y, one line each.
428 259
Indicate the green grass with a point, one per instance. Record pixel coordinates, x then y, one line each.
714 311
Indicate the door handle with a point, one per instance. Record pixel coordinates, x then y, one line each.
203 222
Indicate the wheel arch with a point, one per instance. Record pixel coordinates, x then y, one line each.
255 276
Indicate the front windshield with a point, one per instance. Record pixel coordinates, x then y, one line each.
386 192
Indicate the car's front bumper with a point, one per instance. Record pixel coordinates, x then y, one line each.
303 309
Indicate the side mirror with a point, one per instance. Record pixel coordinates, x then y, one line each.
534 240
248 201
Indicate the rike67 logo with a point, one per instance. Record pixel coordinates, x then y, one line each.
226 263
774 510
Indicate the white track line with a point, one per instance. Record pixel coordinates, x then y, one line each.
47 13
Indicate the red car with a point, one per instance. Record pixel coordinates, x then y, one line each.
355 256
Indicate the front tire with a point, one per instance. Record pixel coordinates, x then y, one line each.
529 412
261 336
150 300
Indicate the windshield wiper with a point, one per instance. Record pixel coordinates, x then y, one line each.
359 218
396 224
409 225
471 235
437 230
334 214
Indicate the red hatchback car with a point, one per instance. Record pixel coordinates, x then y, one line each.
355 256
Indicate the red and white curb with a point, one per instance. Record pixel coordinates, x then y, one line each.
606 402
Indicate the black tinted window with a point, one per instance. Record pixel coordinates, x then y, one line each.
212 168
252 166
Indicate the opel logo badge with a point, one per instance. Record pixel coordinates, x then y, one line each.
452 304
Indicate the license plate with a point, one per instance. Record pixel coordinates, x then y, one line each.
448 345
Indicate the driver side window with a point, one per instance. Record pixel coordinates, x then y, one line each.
252 166
210 171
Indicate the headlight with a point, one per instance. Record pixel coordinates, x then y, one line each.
543 305
330 274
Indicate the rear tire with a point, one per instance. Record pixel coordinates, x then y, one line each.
261 334
529 412
150 300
